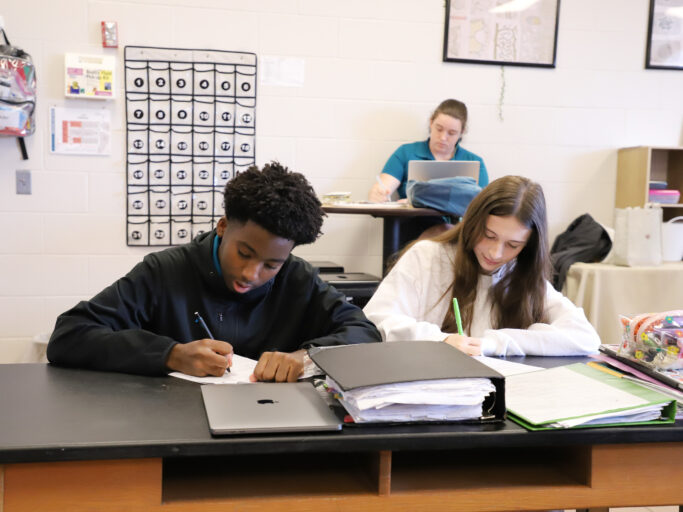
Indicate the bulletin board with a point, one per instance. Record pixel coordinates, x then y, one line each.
191 121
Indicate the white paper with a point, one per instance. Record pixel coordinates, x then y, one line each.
240 371
363 206
646 413
80 131
542 397
505 367
427 400
282 71
10 118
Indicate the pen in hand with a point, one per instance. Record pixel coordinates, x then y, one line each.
382 186
199 320
379 180
458 320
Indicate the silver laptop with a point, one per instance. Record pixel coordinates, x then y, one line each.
425 170
265 407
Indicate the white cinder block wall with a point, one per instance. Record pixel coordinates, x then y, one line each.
373 73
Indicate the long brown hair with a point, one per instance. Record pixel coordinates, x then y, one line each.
518 298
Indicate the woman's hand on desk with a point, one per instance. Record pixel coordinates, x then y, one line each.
201 357
470 346
378 194
383 188
279 367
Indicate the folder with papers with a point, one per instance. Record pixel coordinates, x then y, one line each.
411 381
580 396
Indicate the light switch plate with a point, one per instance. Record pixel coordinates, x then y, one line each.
23 182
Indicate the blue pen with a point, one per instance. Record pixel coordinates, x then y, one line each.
199 320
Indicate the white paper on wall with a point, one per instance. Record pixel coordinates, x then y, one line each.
80 131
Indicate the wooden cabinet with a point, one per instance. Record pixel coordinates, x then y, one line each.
637 166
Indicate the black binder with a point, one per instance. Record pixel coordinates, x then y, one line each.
374 364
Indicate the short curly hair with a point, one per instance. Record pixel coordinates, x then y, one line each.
278 200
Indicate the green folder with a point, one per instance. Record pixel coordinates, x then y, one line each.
537 400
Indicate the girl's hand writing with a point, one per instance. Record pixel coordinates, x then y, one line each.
470 346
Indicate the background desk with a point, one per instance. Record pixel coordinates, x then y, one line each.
391 217
607 291
81 441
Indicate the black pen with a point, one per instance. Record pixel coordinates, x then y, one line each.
199 320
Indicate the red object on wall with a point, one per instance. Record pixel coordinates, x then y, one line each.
110 34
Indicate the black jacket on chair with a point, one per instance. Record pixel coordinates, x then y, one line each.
585 240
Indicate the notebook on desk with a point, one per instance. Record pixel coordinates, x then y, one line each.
264 407
425 170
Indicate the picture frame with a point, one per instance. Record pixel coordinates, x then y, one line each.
665 35
513 33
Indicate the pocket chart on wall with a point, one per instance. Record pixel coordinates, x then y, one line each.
190 117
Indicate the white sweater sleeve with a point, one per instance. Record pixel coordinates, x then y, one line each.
399 304
568 333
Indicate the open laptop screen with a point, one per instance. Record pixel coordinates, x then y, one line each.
425 170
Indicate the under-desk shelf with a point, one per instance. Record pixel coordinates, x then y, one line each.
450 471
277 475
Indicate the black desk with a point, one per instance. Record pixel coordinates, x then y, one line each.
391 217
79 440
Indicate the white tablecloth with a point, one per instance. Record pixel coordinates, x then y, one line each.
607 291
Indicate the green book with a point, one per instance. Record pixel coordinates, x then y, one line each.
580 396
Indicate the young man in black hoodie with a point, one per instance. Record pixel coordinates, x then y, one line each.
256 298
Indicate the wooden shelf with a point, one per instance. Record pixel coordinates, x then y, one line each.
637 166
469 470
466 480
278 475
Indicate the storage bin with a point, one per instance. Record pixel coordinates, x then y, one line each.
664 196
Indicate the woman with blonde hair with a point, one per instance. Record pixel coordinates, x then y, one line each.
496 263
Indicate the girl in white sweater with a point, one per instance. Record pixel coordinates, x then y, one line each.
496 263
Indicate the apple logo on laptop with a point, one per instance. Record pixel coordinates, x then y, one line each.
266 401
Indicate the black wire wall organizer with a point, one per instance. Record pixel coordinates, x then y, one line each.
191 123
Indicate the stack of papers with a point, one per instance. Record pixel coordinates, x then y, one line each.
411 381
431 400
578 395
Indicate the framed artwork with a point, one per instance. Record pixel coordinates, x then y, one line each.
665 35
513 32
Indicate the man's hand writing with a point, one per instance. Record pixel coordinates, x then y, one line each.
201 357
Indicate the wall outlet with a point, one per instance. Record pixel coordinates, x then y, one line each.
23 182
